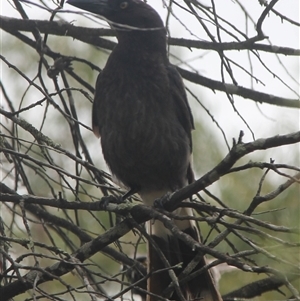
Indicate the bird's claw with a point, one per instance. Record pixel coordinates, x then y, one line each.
161 202
110 199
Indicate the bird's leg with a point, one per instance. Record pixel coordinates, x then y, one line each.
129 193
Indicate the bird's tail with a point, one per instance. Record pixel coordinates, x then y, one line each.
176 251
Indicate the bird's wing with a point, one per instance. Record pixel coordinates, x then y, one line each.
182 107
96 123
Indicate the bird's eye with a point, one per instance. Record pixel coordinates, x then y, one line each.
124 5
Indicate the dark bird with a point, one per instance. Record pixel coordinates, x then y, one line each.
142 115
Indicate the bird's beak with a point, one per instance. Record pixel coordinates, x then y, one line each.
99 7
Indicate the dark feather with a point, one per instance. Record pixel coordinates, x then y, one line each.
142 115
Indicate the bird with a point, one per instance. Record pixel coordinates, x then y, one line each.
141 113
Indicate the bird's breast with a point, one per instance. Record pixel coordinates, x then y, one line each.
142 140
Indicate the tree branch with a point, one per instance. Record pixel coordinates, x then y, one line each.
91 36
237 152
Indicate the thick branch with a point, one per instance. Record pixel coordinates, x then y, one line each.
91 36
238 90
59 28
238 151
259 287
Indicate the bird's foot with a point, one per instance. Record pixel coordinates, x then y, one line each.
110 199
161 202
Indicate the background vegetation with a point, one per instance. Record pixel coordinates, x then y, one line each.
240 63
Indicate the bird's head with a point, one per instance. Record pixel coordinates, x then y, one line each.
126 15
138 26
